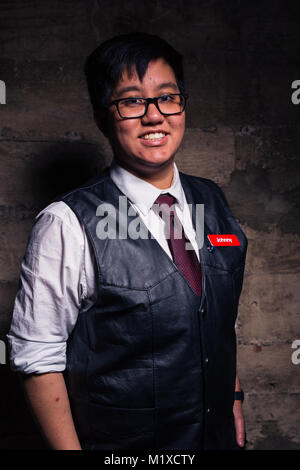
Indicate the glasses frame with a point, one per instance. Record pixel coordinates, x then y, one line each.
148 101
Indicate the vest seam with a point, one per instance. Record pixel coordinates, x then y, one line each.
153 370
86 228
145 289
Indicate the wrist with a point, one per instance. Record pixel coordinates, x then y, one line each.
239 395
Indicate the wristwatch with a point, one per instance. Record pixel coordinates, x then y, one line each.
239 396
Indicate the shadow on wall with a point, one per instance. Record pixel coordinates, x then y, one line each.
49 171
61 167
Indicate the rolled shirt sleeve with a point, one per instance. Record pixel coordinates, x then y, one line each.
52 287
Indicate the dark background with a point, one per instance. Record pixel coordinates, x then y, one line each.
241 58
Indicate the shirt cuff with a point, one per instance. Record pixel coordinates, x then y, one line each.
34 357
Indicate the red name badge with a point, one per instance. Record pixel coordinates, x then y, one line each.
223 240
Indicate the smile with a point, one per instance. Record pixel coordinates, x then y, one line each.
154 135
154 138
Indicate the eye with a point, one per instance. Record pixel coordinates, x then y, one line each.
130 102
167 98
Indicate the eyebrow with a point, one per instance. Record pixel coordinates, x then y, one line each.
135 88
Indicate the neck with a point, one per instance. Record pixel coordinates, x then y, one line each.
162 179
159 177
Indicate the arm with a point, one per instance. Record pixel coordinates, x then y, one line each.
51 289
239 417
48 398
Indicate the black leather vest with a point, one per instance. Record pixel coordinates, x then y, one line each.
151 365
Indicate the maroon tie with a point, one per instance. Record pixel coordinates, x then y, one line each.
185 260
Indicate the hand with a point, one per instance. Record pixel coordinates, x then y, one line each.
239 423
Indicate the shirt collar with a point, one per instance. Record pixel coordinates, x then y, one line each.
140 192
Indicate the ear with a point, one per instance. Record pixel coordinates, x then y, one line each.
101 121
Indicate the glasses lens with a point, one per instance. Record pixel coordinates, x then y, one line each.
171 104
132 107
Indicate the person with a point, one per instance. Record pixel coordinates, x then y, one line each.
127 341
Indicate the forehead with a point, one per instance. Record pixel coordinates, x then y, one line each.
159 74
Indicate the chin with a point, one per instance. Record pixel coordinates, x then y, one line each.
155 162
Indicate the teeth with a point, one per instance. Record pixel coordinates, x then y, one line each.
154 135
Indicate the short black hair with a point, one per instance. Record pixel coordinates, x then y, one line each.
104 66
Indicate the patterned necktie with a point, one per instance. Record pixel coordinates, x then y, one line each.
185 260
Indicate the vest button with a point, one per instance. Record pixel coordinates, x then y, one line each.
206 360
208 410
202 311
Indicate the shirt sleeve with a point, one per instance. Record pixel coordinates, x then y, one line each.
51 289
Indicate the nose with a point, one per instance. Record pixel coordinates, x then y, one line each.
153 115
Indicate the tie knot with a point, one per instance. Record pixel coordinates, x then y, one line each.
165 199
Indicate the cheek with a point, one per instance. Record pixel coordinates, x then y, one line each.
125 132
178 126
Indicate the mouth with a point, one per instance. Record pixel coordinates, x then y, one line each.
154 137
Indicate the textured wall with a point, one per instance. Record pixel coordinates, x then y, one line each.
242 131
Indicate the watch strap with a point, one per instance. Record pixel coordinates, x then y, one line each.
239 395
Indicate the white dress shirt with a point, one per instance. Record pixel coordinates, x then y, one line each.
58 279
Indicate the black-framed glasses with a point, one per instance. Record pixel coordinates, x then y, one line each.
135 107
